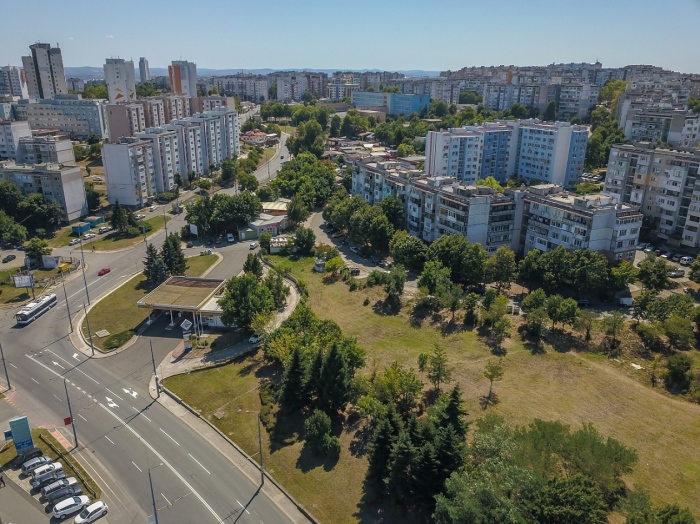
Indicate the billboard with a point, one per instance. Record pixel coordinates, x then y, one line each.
21 434
22 280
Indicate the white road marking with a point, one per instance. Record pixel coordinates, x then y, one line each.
162 459
144 416
111 403
198 462
130 392
35 380
58 398
134 463
57 364
171 438
11 364
75 356
73 366
113 393
109 439
241 505
82 417
166 499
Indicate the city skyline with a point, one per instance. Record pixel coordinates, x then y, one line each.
370 36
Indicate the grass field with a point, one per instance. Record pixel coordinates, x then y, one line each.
9 294
290 130
571 387
118 312
108 242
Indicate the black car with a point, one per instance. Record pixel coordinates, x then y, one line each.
64 493
25 456
190 244
8 258
56 475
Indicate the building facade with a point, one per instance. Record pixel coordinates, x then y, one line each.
126 119
129 172
11 132
183 78
166 157
120 80
76 84
144 71
46 150
13 82
392 103
44 72
69 114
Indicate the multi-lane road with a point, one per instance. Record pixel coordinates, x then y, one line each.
123 434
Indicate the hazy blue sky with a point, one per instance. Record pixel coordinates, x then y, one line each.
359 34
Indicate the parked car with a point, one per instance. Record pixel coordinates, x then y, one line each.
8 258
686 261
104 229
662 253
384 264
46 469
674 257
255 339
58 484
74 242
70 506
626 302
19 247
97 178
153 208
676 273
139 216
63 493
230 238
26 456
218 240
88 236
642 246
253 245
190 244
45 481
92 513
354 250
354 271
649 248
103 271
34 463
583 302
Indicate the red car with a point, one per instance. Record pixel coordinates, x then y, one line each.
103 271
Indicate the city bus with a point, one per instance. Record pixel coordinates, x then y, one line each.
34 309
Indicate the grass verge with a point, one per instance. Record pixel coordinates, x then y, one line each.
9 294
110 242
118 312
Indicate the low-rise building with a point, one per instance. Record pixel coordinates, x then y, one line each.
50 149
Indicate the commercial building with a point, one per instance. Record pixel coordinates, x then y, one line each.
50 149
391 103
125 119
663 183
129 171
120 80
13 82
44 72
144 71
62 184
11 132
183 78
166 158
69 114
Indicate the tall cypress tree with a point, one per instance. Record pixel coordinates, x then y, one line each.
153 267
398 483
454 413
426 481
293 387
334 384
173 256
314 377
380 456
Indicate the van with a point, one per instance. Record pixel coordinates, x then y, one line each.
686 261
104 229
626 302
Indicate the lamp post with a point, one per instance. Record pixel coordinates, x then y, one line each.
2 354
82 256
87 319
70 413
153 498
67 306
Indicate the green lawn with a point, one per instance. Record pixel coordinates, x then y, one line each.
109 241
9 294
570 387
62 237
290 130
118 312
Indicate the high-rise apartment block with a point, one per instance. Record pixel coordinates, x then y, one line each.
245 86
69 114
13 82
120 80
166 158
144 71
153 111
183 78
44 72
129 171
76 84
49 149
124 120
11 132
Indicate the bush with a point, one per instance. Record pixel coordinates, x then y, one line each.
167 196
331 446
366 302
377 278
317 432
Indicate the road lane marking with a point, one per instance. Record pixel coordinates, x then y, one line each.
113 393
134 463
58 398
57 364
137 411
164 461
111 403
75 356
11 364
109 439
241 505
35 380
73 366
198 462
130 392
166 499
82 417
171 438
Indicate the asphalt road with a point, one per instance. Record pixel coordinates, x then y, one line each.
123 434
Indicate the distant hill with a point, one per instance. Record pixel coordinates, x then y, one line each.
95 73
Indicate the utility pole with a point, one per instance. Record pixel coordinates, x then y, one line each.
165 223
153 498
262 468
70 413
82 255
145 239
67 306
155 373
89 330
2 354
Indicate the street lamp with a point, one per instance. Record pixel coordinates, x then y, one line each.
262 467
153 498
82 255
2 355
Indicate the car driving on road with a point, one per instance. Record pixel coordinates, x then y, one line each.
103 271
253 245
8 258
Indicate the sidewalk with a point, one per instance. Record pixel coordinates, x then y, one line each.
17 507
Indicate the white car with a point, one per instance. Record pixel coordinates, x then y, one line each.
74 242
139 217
89 236
255 339
230 238
97 178
92 513
69 506
153 208
354 250
253 245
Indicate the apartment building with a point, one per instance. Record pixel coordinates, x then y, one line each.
663 183
69 114
340 87
175 107
220 134
62 184
552 217
153 111
144 70
391 103
129 172
291 86
166 157
676 127
207 103
76 84
44 72
13 82
454 153
573 96
11 132
183 78
245 86
120 79
126 119
50 149
189 140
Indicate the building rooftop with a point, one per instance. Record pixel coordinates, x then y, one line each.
181 293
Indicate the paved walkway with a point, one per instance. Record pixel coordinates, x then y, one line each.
17 507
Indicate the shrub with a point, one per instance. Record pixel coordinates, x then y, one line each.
317 432
377 278
331 446
366 302
167 196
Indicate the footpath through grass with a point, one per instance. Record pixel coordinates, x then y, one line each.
118 312
571 387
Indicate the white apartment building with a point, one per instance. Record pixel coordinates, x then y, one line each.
677 127
245 86
166 158
189 139
46 150
44 72
183 78
176 107
220 133
62 184
291 87
76 84
130 172
663 183
153 111
125 119
13 82
574 96
200 104
11 131
144 71
454 153
69 114
120 79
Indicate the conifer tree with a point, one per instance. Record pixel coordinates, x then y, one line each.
399 480
334 384
379 458
293 387
454 413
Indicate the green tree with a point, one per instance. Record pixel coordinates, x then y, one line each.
278 289
536 323
501 268
265 239
253 265
334 384
244 297
562 310
679 331
407 250
200 212
613 326
36 248
334 265
454 412
154 269
535 300
435 278
491 182
493 373
172 255
550 113
653 273
317 433
624 273
10 198
293 386
229 170
585 321
570 500
450 297
392 208
304 240
335 126
297 210
439 371
402 459
470 97
92 196
465 260
589 271
678 373
694 274
650 334
380 456
395 281
119 221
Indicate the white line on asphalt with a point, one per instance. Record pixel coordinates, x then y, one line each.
171 438
58 398
166 499
113 393
82 417
198 462
73 364
160 457
11 364
35 380
144 416
134 463
109 439
241 505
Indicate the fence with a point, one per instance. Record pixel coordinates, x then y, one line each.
63 456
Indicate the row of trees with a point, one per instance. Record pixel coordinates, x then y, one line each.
20 212
210 214
306 176
170 260
240 170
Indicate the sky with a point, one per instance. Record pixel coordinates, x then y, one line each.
360 34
